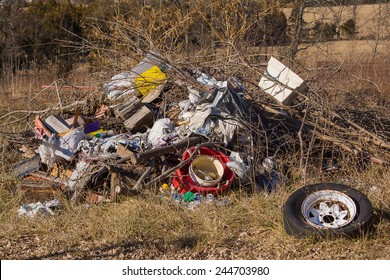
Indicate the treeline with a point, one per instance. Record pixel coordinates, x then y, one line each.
65 32
34 35
42 32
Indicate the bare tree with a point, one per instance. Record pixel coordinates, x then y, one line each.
297 26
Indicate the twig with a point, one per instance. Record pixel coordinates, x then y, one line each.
301 165
138 185
58 95
39 112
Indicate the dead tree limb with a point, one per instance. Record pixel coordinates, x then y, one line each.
39 112
165 150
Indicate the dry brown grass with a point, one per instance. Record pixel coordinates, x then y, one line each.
147 228
369 18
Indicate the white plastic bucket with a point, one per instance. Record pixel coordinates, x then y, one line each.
207 171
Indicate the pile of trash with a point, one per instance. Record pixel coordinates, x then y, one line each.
192 150
87 160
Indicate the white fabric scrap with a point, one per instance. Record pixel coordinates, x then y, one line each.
161 128
64 147
32 209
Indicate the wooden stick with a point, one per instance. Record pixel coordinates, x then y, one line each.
66 107
156 152
139 185
76 116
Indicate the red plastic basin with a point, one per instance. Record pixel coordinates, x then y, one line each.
184 183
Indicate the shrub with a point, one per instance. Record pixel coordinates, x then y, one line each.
349 27
325 30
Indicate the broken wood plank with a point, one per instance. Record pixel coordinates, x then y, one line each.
153 94
126 110
140 119
114 184
123 151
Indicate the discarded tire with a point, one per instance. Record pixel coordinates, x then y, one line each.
328 210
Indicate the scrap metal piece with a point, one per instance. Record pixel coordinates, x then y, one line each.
27 167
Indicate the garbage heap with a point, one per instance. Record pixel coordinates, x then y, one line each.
183 132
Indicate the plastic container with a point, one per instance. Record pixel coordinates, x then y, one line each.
207 171
183 181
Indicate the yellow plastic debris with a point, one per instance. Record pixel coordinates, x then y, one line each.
149 79
95 133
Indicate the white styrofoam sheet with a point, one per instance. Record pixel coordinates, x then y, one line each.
277 71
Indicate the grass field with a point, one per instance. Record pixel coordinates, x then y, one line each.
369 18
146 228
